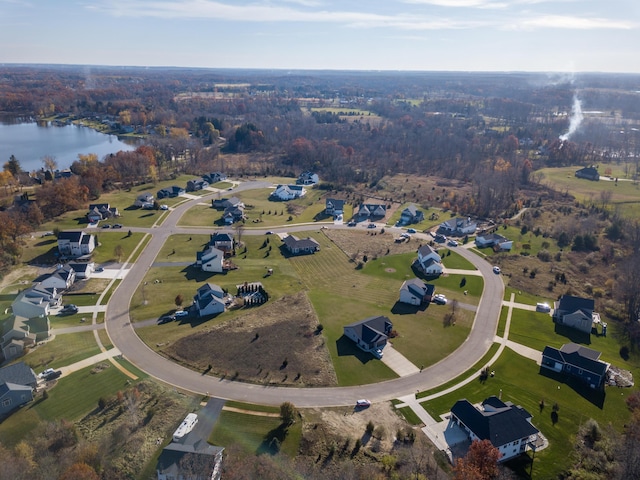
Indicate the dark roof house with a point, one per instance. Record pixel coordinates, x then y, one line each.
590 173
576 361
506 426
297 246
370 334
574 312
197 461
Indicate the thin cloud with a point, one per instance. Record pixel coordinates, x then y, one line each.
569 22
296 11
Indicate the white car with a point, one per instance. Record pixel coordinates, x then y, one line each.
181 313
363 403
452 243
440 299
496 270
164 207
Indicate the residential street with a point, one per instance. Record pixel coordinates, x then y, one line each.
124 338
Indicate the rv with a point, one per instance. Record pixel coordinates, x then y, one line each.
185 427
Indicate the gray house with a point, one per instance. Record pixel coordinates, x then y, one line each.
410 215
76 243
458 227
574 312
370 334
333 206
17 383
197 461
576 361
297 246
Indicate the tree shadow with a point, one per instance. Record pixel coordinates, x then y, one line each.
346 347
595 396
273 439
400 308
576 336
49 257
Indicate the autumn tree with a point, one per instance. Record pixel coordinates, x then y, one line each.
79 471
179 300
50 163
64 195
480 462
288 413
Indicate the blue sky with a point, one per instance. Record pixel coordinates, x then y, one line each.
467 35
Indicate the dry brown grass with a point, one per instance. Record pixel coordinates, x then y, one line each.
356 243
276 343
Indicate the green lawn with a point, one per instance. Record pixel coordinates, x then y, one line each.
519 381
625 196
253 433
451 259
109 241
63 350
72 398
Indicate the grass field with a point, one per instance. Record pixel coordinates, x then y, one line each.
73 397
63 350
254 433
625 195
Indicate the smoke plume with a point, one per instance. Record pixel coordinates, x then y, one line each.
575 120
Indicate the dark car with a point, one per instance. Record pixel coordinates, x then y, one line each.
105 225
166 319
116 225
69 309
53 375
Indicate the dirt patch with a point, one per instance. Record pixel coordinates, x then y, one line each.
353 423
275 344
390 270
356 244
18 277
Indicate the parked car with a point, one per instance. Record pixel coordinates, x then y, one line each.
496 270
182 313
164 207
99 269
269 232
166 319
116 225
411 230
69 309
440 299
543 307
441 238
53 375
351 224
452 243
371 225
363 403
105 225
46 372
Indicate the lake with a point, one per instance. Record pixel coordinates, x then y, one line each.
29 142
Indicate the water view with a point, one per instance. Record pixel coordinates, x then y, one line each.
30 142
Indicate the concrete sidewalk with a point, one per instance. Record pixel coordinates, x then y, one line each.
87 362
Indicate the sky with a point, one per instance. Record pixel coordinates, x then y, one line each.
420 35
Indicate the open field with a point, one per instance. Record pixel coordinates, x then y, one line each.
62 350
624 194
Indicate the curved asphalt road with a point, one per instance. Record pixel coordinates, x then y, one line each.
124 338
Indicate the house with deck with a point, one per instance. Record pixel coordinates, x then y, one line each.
578 362
209 300
575 312
193 461
211 259
508 427
493 240
144 200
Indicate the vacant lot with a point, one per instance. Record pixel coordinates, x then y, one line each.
274 344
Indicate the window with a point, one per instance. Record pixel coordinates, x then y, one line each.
6 402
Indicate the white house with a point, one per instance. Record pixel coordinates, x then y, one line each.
288 192
308 178
494 240
61 279
83 270
210 259
429 262
458 227
416 292
506 426
76 243
209 300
